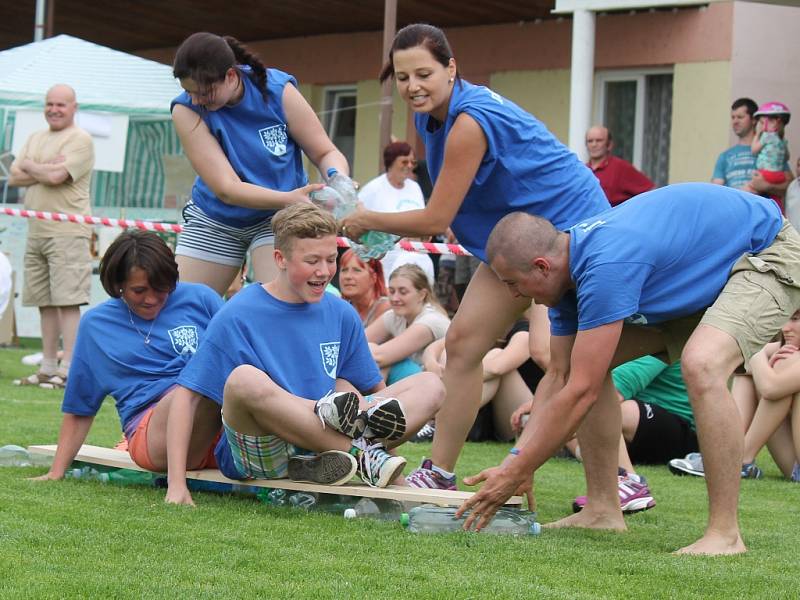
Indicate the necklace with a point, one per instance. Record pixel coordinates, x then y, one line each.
139 331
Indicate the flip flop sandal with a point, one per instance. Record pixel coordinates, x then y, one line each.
56 382
35 379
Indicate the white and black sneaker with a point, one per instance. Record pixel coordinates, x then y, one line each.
339 411
376 467
425 434
333 467
692 464
385 420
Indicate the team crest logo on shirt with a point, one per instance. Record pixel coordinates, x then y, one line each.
184 339
274 139
330 357
636 319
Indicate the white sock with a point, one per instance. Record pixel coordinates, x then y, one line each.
442 472
49 366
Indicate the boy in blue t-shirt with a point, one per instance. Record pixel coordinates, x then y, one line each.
275 345
707 273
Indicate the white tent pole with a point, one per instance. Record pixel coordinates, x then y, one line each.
581 77
38 26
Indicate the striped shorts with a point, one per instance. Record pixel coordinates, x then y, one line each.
259 456
206 239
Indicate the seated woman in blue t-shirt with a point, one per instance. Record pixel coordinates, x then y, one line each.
132 347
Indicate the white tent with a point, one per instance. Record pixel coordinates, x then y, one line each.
106 81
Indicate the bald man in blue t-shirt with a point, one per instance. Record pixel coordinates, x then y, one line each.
704 272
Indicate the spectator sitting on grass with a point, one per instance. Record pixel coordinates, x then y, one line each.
132 348
274 346
399 338
509 377
767 400
363 286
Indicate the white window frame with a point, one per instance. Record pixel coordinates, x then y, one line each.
336 91
639 76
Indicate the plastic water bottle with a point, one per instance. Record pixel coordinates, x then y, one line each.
376 508
14 456
86 473
200 485
436 519
328 199
327 503
374 244
127 477
342 184
273 497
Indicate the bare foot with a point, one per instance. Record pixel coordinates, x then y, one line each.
588 520
715 544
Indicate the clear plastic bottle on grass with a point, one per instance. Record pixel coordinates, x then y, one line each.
84 472
436 519
328 503
14 456
127 477
381 509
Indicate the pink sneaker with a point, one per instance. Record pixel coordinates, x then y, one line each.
634 495
426 477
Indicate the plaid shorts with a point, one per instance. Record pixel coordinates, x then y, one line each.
259 456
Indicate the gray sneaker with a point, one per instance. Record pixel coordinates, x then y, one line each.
333 467
339 411
692 464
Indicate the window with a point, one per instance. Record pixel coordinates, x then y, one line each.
637 107
339 119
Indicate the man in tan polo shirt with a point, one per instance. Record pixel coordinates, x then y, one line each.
55 165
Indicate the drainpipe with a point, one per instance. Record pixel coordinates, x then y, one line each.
581 79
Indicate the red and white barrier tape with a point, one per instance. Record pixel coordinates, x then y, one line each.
409 246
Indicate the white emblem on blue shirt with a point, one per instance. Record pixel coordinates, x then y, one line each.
274 139
330 357
636 319
587 227
184 339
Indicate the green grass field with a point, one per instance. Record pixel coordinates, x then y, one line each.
79 539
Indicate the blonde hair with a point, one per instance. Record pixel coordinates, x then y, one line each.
419 280
301 221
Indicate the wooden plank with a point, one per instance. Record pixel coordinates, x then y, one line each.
122 460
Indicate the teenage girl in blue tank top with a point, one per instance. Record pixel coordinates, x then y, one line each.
487 157
244 128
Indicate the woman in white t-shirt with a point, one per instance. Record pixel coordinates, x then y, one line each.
398 339
397 191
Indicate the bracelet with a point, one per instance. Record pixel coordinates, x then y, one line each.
515 451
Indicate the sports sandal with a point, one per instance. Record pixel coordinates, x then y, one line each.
56 382
37 378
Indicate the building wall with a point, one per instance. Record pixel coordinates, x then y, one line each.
544 94
700 119
764 62
529 63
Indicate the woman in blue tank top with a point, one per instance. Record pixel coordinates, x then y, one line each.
487 158
244 128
